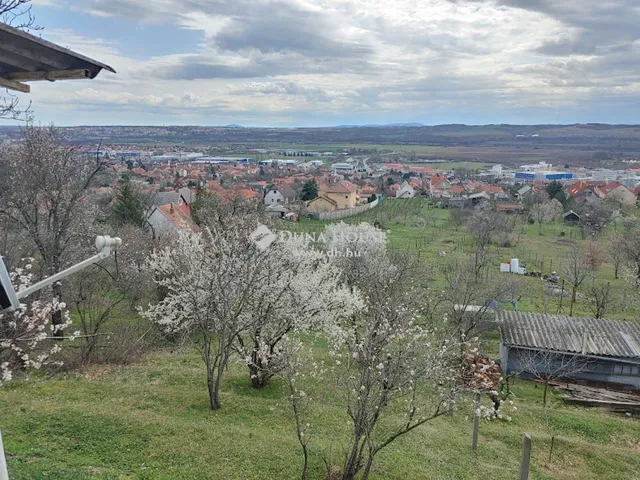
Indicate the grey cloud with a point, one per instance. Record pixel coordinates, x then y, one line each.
257 65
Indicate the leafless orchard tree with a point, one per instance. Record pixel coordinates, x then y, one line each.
600 297
616 253
486 225
628 244
575 270
103 298
44 192
469 292
548 367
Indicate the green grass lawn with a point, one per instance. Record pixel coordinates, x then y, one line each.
151 421
414 225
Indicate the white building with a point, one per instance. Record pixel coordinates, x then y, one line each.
342 168
273 196
405 191
536 167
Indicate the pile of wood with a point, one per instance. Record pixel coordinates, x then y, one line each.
596 397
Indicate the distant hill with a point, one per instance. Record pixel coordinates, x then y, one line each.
375 125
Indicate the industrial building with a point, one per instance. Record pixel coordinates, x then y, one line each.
342 168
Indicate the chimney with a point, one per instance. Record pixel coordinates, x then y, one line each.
171 209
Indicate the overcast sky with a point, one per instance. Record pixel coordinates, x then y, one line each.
329 62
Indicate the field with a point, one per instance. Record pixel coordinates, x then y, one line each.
150 420
416 226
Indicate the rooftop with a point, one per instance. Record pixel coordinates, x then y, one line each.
586 336
25 57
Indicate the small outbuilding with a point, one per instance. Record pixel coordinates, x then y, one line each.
609 350
571 218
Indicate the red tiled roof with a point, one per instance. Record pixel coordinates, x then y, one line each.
437 180
177 217
491 189
605 189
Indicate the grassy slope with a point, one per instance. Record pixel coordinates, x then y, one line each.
151 420
414 226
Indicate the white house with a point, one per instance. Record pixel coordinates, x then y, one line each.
280 194
273 196
405 191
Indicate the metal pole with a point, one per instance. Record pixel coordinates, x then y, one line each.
4 475
476 423
526 457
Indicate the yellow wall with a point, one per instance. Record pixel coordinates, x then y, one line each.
320 205
344 200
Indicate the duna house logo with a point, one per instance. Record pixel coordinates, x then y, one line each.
263 237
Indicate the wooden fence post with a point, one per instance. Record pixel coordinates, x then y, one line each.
476 423
526 457
4 475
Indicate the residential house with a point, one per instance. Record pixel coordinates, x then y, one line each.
405 191
616 192
169 219
495 192
172 198
345 194
438 184
584 191
280 194
524 191
608 350
321 204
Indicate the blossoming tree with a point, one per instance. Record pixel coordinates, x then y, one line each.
26 334
302 291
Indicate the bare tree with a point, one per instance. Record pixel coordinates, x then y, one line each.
594 254
470 293
458 217
548 367
485 225
617 253
595 216
43 192
628 244
103 297
600 298
576 270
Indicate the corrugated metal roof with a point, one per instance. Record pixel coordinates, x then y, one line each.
588 336
25 57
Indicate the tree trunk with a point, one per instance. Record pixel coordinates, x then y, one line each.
56 317
544 394
258 376
574 290
258 373
351 463
367 468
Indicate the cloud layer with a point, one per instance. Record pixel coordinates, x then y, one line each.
298 62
